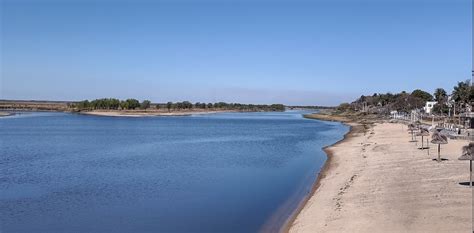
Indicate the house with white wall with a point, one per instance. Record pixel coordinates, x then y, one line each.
429 106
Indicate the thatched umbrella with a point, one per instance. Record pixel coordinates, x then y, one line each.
423 133
468 154
412 128
439 139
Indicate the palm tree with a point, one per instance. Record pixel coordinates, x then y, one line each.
461 93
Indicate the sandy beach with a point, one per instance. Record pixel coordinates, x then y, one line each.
377 181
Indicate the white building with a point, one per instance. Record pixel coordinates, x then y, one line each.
429 106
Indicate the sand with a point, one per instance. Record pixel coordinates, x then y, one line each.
377 181
4 114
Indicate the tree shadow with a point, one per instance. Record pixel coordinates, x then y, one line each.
423 148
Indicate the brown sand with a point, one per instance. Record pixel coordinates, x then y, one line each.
3 114
377 181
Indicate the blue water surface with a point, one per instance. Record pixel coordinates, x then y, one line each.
229 172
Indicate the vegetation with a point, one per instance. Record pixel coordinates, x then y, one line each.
461 99
131 104
440 95
186 105
145 104
463 94
422 95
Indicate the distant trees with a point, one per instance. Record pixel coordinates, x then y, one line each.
440 95
277 107
406 102
186 105
343 107
123 104
462 99
145 104
83 104
105 103
131 104
425 96
200 105
384 103
462 94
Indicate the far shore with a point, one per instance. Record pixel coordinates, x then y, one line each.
4 114
376 181
148 113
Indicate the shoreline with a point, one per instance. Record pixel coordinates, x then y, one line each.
353 129
375 180
121 113
5 114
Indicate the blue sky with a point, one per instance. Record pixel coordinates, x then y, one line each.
292 52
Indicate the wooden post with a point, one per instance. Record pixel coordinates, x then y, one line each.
422 147
428 145
439 150
470 173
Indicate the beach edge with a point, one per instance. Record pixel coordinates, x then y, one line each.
354 128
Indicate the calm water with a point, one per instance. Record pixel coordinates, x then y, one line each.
216 173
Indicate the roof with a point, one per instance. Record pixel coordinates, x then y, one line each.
468 152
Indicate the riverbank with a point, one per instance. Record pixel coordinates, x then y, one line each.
4 114
375 180
147 113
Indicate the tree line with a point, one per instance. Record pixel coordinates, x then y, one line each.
133 104
461 98
111 104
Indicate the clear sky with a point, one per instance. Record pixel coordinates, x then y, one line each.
250 51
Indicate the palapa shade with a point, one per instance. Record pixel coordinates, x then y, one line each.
411 129
423 133
417 125
468 152
438 138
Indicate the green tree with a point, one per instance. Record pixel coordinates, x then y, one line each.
133 103
169 105
277 107
187 105
145 104
83 105
425 96
344 107
462 93
123 104
440 95
440 108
